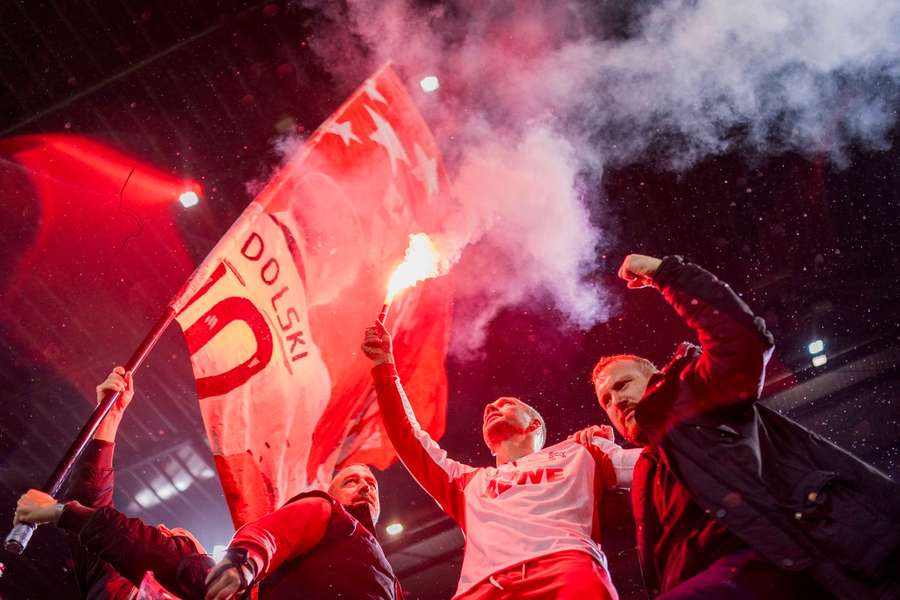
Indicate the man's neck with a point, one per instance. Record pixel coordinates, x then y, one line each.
513 449
362 512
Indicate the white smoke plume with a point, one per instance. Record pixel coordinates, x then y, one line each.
537 93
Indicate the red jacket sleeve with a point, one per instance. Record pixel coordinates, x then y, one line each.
443 478
286 533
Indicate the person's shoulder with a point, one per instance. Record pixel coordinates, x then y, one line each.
564 449
313 498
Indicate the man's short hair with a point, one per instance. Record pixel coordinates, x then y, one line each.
604 362
542 431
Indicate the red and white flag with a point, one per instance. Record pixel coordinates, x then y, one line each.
274 320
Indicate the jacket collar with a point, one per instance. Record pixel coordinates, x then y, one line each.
361 512
684 355
660 393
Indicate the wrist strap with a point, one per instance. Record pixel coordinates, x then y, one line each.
238 559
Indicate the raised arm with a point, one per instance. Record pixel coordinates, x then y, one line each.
92 479
443 478
736 344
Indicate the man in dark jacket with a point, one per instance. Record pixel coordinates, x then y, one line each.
318 546
731 499
112 552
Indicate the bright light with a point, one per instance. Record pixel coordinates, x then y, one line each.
430 83
819 360
218 552
146 498
189 199
420 263
394 529
816 347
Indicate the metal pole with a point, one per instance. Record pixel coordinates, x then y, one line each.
18 538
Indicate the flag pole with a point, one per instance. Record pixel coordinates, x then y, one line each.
18 538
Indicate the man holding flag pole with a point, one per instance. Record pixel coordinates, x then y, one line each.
113 552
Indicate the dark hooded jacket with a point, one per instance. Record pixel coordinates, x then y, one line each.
112 552
801 502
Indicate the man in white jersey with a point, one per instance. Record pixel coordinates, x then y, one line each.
531 523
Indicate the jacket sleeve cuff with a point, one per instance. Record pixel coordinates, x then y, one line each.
384 372
75 516
667 270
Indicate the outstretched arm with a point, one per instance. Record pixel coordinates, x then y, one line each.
443 478
129 545
736 344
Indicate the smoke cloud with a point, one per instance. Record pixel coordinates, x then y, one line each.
535 95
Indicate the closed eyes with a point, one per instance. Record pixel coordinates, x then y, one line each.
619 385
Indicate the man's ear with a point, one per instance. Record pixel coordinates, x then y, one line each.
533 426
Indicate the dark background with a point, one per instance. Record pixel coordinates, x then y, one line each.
202 89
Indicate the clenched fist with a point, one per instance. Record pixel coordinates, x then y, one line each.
35 507
117 381
377 344
638 270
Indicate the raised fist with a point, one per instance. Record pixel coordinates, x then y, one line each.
638 270
377 344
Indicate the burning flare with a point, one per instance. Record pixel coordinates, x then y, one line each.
420 263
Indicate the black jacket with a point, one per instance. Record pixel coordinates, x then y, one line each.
800 501
347 563
112 552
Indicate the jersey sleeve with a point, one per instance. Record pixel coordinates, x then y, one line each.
621 459
442 477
